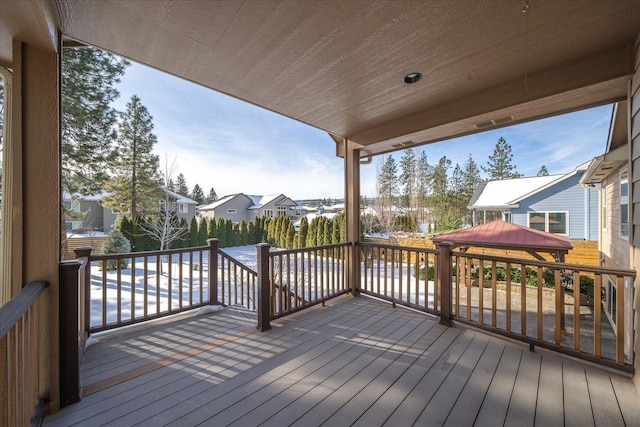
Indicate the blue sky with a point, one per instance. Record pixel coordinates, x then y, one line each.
221 142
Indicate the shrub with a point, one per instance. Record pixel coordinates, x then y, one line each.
116 243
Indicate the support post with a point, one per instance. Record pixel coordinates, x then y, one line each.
352 212
264 288
70 332
446 284
83 254
212 268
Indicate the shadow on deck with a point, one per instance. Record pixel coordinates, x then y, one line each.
357 361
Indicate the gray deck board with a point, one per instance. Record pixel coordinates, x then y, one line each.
357 361
549 406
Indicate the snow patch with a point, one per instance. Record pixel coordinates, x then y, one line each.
90 341
209 309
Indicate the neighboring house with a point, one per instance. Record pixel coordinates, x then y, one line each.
609 174
86 213
238 207
556 203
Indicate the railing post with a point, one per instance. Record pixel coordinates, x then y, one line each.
83 253
446 283
264 288
69 329
212 259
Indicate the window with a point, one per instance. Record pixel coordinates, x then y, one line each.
604 207
267 213
72 205
162 205
624 203
282 211
551 222
183 208
231 211
73 225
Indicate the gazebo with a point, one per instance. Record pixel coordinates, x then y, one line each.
504 235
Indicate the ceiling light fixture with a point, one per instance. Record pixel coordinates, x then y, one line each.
412 78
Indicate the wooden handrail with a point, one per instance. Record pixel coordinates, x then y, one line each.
12 311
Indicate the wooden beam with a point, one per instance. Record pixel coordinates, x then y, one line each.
352 211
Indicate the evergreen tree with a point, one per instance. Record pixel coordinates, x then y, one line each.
439 197
327 232
203 232
135 184
251 231
499 165
211 197
89 78
193 233
470 180
423 174
222 232
407 179
212 232
181 186
543 171
236 235
228 226
290 235
171 186
387 192
116 243
244 233
197 194
126 228
303 232
312 233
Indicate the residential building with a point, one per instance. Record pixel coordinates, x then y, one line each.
556 203
238 207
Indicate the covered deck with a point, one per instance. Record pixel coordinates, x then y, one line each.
355 361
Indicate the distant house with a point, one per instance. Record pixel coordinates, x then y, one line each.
238 207
556 203
86 213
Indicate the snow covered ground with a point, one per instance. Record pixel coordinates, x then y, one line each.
193 288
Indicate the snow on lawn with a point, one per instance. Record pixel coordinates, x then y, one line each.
192 288
161 293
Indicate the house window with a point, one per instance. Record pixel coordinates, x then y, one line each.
183 208
73 225
231 211
604 207
624 203
267 213
162 205
551 222
282 211
72 205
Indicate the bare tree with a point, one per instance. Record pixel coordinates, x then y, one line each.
165 228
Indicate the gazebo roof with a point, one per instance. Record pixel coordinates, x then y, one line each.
500 234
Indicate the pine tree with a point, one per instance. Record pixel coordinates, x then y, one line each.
211 197
212 232
193 233
89 78
136 183
499 165
181 186
116 243
203 232
228 226
302 232
439 192
222 232
423 174
407 179
244 233
171 186
387 192
543 171
197 194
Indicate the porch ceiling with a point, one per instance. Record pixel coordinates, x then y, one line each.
338 66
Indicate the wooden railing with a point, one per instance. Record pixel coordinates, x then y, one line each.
291 280
156 284
401 275
237 282
492 293
552 305
22 355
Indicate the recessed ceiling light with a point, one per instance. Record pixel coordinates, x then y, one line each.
412 78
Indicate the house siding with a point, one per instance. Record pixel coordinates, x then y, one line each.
569 196
615 249
241 204
634 179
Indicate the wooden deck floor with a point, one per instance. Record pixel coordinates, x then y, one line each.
357 361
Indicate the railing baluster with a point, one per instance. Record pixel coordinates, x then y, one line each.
597 316
119 291
539 306
576 310
133 287
508 302
559 302
481 291
170 283
145 286
523 299
619 319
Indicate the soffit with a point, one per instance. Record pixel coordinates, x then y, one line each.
338 65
